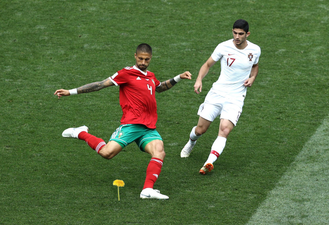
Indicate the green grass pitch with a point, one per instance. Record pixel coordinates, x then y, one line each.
47 45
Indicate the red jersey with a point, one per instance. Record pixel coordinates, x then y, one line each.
137 96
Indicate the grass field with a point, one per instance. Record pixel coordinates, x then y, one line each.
47 45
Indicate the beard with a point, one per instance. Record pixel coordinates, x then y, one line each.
142 67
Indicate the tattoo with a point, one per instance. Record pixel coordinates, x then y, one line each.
96 86
161 88
173 82
165 85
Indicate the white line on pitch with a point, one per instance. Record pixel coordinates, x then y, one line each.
302 194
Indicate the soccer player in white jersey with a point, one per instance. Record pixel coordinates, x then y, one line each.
239 67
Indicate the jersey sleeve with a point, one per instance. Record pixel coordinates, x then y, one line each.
119 78
258 55
157 83
216 55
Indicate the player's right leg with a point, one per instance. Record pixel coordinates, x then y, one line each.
74 132
111 149
107 151
195 134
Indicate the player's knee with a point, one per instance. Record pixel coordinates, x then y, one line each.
199 130
107 154
161 154
159 151
156 149
225 131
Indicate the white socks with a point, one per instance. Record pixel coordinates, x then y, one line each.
216 149
193 136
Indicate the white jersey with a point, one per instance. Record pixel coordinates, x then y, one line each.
236 65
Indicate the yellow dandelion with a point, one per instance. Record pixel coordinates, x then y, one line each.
119 183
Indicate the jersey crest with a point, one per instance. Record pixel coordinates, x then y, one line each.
250 56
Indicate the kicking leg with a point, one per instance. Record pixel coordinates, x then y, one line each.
107 151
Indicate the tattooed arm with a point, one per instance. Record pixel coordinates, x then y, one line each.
96 86
166 85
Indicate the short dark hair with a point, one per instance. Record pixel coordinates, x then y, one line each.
241 24
144 48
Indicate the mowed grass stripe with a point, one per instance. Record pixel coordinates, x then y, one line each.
301 196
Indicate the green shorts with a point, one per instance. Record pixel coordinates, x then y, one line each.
126 134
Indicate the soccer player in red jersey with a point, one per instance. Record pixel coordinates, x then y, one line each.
138 122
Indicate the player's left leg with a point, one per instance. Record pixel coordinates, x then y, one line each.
229 117
156 149
225 128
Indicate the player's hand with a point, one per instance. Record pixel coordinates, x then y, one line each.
198 86
186 75
62 92
249 82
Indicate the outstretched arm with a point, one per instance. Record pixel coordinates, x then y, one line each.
166 85
96 86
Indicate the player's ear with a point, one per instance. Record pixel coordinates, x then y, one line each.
248 33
